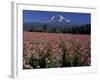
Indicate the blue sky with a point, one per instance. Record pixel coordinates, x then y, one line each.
40 16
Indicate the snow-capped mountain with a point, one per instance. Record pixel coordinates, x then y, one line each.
58 19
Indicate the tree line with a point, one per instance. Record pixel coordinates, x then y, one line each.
84 29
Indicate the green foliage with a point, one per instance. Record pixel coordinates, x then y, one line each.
27 60
82 29
53 64
65 57
45 27
34 62
75 60
65 61
31 30
42 63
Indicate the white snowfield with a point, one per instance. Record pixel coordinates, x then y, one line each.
59 18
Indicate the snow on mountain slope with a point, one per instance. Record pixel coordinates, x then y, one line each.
59 18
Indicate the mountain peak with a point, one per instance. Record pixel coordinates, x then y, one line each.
59 18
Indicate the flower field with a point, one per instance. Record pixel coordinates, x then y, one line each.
54 50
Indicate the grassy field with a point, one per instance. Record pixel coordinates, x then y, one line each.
54 50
